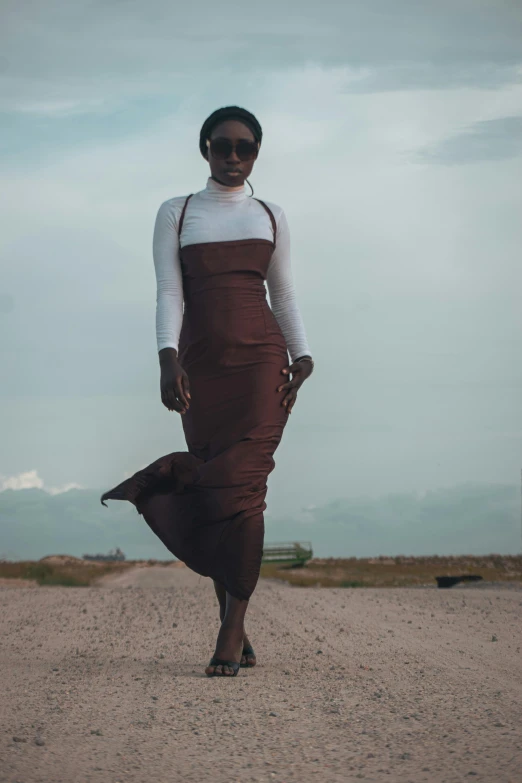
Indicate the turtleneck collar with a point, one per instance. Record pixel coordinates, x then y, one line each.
216 190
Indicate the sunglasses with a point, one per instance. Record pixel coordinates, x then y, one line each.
221 149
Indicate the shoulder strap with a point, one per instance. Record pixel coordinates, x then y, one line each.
182 216
271 216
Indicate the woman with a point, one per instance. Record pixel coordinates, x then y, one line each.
223 365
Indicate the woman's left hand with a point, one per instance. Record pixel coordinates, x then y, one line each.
300 370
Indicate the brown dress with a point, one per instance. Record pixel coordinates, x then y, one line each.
206 504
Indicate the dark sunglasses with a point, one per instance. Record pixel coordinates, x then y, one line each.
221 149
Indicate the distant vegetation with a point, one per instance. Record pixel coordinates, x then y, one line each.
68 571
114 555
69 574
399 571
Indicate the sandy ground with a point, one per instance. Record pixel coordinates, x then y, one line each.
411 684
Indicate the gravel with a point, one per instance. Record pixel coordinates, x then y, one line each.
407 685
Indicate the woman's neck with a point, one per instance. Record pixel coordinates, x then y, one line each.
230 187
218 190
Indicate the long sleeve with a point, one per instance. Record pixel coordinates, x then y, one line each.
169 280
281 289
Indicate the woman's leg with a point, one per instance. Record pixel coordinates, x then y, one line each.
222 598
229 644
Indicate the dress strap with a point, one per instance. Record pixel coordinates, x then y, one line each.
182 216
271 216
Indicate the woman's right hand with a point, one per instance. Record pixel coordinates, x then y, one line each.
174 383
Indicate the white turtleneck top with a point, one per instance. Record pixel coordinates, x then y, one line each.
220 214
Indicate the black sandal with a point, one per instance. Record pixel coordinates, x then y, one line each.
221 662
247 650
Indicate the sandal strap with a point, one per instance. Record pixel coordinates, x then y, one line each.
234 665
248 650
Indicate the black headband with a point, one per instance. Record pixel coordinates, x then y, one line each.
224 114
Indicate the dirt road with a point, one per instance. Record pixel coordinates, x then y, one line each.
106 684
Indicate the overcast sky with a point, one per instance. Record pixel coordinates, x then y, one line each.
392 139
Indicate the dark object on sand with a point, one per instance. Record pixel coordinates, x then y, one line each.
450 581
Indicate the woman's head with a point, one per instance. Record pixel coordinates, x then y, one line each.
229 140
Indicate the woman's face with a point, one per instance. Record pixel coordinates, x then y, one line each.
231 171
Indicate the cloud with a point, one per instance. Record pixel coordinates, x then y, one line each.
406 286
435 76
99 56
92 210
485 140
30 479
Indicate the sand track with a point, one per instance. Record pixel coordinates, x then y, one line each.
377 685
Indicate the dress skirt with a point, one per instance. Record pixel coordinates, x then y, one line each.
206 504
